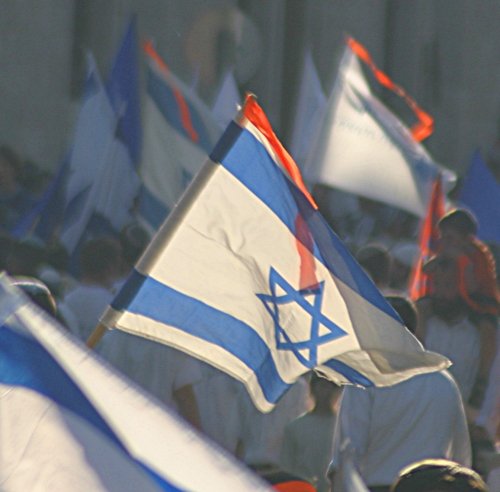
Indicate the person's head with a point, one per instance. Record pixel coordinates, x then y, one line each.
376 261
26 257
37 291
406 310
436 475
100 261
457 229
11 168
324 391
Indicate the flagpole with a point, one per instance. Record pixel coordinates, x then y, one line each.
95 336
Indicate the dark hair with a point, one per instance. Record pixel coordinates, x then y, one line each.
14 161
406 310
459 220
98 254
375 259
436 474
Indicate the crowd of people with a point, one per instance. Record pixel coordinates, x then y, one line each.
425 434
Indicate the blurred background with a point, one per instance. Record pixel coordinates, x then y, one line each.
445 53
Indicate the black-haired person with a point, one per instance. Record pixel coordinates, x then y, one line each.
435 475
476 282
308 440
100 266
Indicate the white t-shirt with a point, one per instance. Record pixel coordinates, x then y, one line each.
461 344
216 396
307 447
392 427
159 369
88 303
262 433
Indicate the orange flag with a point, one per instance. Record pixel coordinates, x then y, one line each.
420 283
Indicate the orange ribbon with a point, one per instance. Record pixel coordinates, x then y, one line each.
425 126
254 114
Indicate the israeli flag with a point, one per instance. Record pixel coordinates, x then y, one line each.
246 275
70 423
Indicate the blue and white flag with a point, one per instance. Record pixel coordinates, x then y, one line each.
124 94
70 423
481 194
311 107
81 168
179 133
363 148
246 275
102 182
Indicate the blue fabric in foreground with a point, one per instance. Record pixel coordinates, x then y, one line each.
168 306
24 362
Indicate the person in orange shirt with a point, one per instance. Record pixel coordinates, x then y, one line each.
476 284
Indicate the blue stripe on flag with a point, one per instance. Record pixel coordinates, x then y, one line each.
151 209
24 362
164 97
168 306
251 164
351 374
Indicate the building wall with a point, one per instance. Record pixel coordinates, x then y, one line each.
444 52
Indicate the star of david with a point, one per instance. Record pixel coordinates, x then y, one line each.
283 341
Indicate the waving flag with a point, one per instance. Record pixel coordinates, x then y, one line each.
311 107
69 422
481 194
124 93
364 149
179 133
246 275
102 182
420 283
107 140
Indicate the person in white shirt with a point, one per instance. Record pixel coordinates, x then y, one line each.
163 371
216 395
100 265
308 440
389 428
257 436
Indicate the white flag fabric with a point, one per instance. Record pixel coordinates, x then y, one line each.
311 107
365 149
102 179
179 133
70 423
227 101
246 275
